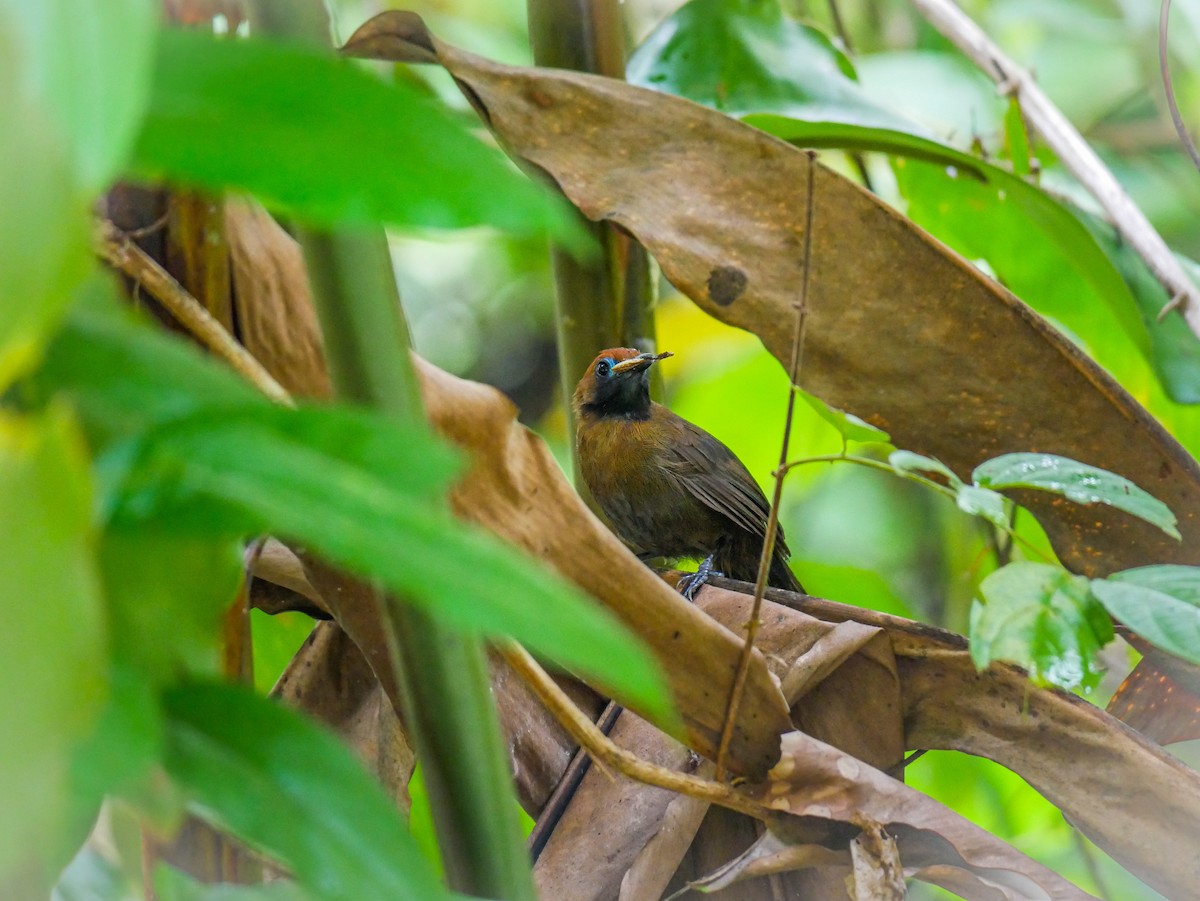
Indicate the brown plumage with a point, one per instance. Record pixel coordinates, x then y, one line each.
668 488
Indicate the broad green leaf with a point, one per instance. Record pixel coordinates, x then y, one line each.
291 789
167 596
983 502
905 462
1032 242
95 95
173 885
849 426
43 225
1160 603
746 59
1075 481
53 643
189 449
1043 618
116 757
745 56
1174 350
327 141
250 475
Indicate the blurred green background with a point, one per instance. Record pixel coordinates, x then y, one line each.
481 305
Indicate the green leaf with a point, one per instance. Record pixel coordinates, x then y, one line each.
1032 242
167 596
905 462
43 228
118 754
325 140
745 56
1043 618
173 885
52 646
849 426
190 450
1075 481
291 789
983 502
1160 603
299 483
96 95
1174 351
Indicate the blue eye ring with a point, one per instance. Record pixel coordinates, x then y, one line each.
604 367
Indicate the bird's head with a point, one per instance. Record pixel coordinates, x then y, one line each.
617 383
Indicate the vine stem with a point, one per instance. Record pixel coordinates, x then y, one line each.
607 754
768 549
945 491
118 250
1075 152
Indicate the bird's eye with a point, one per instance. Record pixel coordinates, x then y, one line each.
603 368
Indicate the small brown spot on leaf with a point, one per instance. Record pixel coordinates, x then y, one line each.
726 284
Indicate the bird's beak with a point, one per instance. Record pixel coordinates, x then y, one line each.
640 362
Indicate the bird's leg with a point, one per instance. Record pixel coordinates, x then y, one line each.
692 582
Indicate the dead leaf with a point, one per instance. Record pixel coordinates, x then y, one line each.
1157 705
1135 801
770 854
877 872
815 780
329 679
276 319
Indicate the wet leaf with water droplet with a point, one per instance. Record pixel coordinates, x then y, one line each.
1075 481
1043 618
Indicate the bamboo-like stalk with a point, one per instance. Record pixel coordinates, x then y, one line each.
443 676
607 301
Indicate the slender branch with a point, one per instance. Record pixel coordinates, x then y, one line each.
945 491
118 250
768 550
1164 68
1072 149
606 753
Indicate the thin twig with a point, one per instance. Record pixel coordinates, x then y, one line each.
1076 154
944 490
768 550
116 248
556 805
1164 68
839 26
605 753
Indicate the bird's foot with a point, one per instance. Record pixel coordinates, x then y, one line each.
692 582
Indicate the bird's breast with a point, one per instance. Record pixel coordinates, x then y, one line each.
623 463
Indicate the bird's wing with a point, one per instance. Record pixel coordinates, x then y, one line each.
711 473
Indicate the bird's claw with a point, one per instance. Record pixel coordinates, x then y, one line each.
693 582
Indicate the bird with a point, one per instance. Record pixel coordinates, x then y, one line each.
666 486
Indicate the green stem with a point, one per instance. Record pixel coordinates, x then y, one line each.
443 675
944 490
444 684
607 301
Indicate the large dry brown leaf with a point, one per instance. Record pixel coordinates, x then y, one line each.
515 489
815 780
838 676
901 330
1138 803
